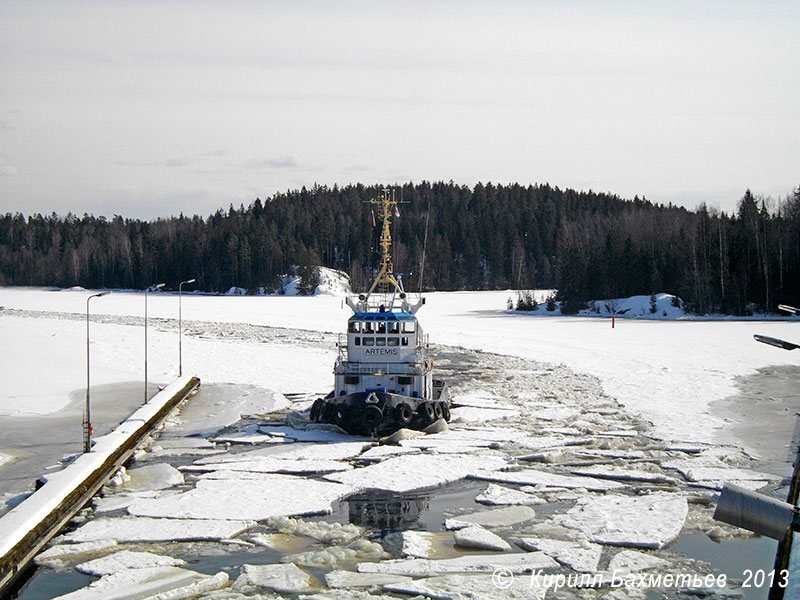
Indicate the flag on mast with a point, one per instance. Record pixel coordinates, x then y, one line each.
396 211
372 218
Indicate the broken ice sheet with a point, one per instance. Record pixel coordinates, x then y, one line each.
478 537
474 414
58 556
583 557
471 563
172 582
336 557
158 476
271 464
458 587
322 531
126 559
495 517
246 499
426 544
135 529
418 471
311 434
351 579
284 578
649 521
304 451
536 477
499 495
623 474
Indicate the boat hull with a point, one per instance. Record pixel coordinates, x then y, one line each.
376 413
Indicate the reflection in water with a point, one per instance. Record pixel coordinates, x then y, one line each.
387 510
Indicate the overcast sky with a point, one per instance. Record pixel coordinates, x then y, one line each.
150 108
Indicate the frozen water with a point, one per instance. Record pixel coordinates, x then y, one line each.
58 556
632 561
418 471
478 537
170 583
650 521
248 499
304 451
459 587
499 495
286 579
319 530
272 464
536 477
156 476
334 557
471 563
582 557
351 579
135 529
126 559
495 517
623 474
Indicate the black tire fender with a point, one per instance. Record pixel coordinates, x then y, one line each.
437 410
426 412
404 413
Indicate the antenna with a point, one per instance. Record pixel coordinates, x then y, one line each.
424 246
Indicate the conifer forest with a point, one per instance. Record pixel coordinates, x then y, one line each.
587 245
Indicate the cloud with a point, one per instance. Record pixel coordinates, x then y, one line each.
281 162
7 170
175 161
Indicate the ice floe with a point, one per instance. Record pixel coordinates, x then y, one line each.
536 477
649 521
172 583
417 471
283 578
271 464
472 563
322 531
623 474
334 557
251 498
478 537
62 554
158 476
459 587
583 557
494 517
352 579
632 561
297 450
126 559
498 495
137 529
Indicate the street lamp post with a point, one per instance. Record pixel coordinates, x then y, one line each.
87 423
180 327
155 287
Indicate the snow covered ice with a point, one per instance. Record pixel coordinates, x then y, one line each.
587 431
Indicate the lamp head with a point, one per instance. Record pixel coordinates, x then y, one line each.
192 280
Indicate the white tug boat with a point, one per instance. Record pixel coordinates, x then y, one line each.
384 372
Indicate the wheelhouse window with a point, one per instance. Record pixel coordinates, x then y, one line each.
382 327
354 327
358 340
368 327
405 341
392 341
393 327
409 327
369 341
381 341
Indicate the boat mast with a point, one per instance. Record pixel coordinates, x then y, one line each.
386 202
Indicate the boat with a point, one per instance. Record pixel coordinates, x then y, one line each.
383 375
